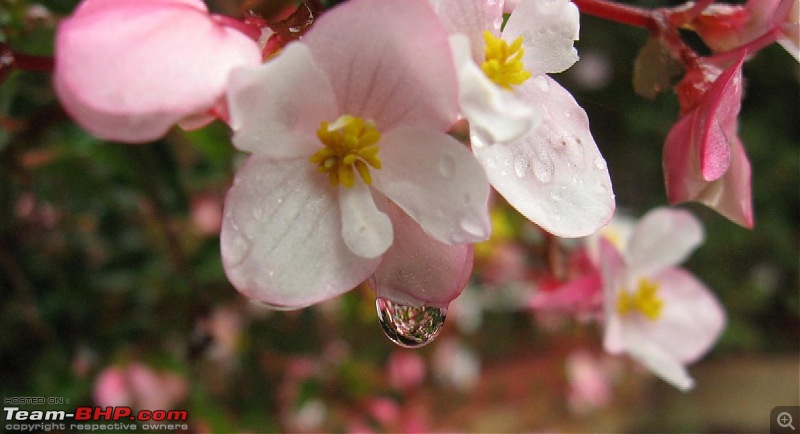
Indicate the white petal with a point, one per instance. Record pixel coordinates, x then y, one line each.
281 236
490 109
366 230
691 320
663 237
548 29
388 61
276 108
436 181
418 270
471 18
554 175
658 361
612 271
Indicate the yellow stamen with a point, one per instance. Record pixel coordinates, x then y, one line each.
350 143
645 300
503 63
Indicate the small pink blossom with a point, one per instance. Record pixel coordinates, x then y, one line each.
589 382
726 27
128 70
658 313
139 386
406 370
704 159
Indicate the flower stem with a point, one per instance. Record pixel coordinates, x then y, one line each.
619 13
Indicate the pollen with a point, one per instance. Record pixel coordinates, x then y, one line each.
350 147
644 300
503 64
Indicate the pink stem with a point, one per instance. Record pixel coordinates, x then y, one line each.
624 14
750 47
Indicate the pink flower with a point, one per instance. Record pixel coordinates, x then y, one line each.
552 173
406 370
725 27
589 382
346 131
128 70
704 160
139 386
659 314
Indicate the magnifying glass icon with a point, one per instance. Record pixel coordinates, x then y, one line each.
785 420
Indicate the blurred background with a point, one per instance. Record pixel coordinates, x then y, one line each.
112 289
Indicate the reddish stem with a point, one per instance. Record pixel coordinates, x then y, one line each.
619 13
751 47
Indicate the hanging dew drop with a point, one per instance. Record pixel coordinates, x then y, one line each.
409 326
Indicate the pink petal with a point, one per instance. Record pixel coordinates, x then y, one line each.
281 236
388 61
729 195
490 109
366 230
111 388
129 70
549 29
583 294
555 175
664 237
657 360
691 320
471 18
419 270
276 108
612 270
435 179
716 121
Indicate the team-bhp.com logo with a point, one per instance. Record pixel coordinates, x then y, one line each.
88 419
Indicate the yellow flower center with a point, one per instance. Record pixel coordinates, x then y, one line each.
645 300
350 146
503 63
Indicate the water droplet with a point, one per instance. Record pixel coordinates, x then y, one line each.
491 163
522 166
556 195
257 212
600 188
600 163
409 326
498 23
577 180
280 200
568 114
446 166
543 168
542 83
471 227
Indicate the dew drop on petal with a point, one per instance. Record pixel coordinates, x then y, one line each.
543 168
471 227
257 213
491 163
522 167
409 326
446 166
556 195
542 83
600 163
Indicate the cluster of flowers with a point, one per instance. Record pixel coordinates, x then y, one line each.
352 176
